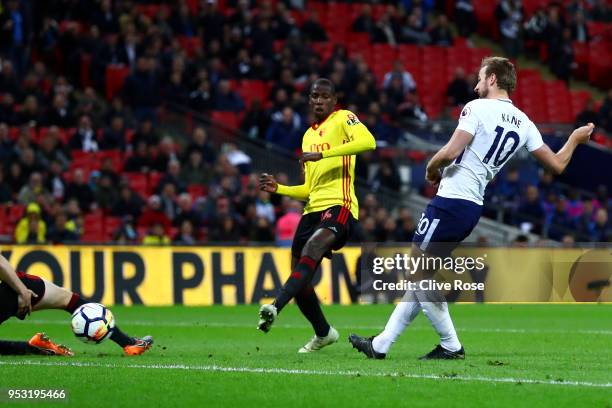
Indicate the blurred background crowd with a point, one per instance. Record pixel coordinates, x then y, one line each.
86 87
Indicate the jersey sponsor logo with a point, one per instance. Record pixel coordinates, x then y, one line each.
465 112
319 147
352 119
326 215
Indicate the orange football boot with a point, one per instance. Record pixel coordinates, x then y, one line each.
42 342
139 347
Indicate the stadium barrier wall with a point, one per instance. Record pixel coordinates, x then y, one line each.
197 276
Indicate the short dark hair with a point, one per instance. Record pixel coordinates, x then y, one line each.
325 82
504 72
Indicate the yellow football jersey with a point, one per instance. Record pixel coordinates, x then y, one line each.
330 181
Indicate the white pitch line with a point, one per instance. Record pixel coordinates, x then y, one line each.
263 370
303 326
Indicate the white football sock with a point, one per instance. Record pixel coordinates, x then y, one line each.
403 314
436 309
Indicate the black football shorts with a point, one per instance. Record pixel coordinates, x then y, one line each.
8 297
337 219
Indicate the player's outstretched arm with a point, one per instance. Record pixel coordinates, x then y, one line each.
557 162
445 156
361 141
24 295
268 183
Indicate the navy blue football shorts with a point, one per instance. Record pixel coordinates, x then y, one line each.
444 224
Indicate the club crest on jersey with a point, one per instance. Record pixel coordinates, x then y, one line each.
326 215
321 132
352 119
465 112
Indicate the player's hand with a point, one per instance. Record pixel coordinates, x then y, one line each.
268 183
583 133
433 177
310 156
24 303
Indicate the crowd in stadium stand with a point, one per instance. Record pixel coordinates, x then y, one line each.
549 209
54 114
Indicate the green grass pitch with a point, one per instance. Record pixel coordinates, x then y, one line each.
517 355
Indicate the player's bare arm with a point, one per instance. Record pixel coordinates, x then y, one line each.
24 295
557 162
310 156
445 156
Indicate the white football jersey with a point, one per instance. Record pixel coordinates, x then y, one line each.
499 129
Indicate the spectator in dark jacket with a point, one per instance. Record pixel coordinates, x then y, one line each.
199 141
186 212
59 233
459 91
442 34
531 210
129 203
387 177
312 29
560 222
201 99
286 133
80 190
227 100
60 113
605 113
142 89
114 136
85 137
364 23
601 229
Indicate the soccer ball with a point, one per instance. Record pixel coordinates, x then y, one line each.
92 322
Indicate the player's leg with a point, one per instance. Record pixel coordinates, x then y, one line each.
56 297
378 346
317 245
39 343
20 348
434 306
316 236
309 305
445 224
441 228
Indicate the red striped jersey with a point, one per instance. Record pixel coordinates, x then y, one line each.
330 181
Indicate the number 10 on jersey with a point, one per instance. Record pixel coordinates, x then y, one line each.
499 148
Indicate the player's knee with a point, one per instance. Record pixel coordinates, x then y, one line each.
315 249
55 297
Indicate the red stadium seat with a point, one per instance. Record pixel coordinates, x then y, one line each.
115 77
85 70
197 190
251 90
116 157
598 29
138 183
581 55
530 6
600 65
154 178
111 224
229 120
578 101
485 14
190 44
